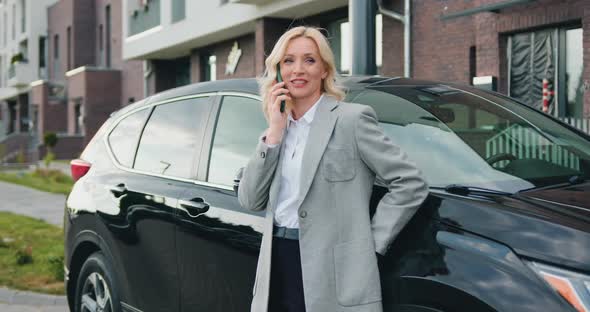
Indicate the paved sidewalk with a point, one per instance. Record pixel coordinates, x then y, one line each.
33 203
24 301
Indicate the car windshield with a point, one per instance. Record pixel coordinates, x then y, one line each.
475 138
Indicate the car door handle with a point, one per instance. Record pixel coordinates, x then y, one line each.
194 207
118 189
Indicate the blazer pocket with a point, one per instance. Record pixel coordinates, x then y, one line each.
357 274
338 164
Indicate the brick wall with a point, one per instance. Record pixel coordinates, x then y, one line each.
131 71
268 31
99 91
440 48
67 147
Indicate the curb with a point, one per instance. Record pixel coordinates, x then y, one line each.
11 296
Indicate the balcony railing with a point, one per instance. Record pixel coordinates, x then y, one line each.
144 17
178 10
21 74
582 124
11 71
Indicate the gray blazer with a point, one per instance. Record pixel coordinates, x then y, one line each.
345 151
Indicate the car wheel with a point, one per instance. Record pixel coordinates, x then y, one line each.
96 290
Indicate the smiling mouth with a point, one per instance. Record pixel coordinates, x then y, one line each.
298 82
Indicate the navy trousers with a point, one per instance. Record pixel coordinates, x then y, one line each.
286 282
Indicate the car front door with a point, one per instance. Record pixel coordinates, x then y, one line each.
217 240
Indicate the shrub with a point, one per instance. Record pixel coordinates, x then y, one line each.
21 158
49 157
24 255
50 140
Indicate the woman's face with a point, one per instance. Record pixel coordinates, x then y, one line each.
303 69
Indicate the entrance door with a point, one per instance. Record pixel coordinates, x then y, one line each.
532 60
545 70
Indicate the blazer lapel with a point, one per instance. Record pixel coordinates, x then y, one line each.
319 135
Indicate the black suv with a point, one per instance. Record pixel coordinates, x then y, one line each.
153 222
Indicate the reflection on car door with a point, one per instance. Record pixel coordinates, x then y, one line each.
148 197
217 240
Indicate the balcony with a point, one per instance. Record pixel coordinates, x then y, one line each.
143 16
20 74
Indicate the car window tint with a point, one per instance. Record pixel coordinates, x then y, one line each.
239 125
172 138
123 138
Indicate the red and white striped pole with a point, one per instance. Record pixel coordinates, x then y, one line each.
546 95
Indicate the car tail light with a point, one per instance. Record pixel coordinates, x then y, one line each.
79 168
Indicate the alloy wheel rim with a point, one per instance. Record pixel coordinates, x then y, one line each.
96 295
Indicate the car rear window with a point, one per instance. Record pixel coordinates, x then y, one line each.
123 138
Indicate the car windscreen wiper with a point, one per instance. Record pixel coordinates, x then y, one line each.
573 180
465 190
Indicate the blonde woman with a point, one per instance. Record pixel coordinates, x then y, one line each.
313 172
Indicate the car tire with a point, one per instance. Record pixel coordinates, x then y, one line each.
96 289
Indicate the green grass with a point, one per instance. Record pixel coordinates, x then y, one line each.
39 246
53 181
63 161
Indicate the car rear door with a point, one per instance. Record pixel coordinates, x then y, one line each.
217 240
148 192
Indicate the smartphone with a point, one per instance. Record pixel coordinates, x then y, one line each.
280 79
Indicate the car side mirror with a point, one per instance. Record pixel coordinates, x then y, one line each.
237 179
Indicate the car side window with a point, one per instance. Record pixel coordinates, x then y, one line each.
172 138
123 138
239 125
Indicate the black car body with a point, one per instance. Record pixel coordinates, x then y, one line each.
153 222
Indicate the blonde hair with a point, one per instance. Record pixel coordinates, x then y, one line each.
329 84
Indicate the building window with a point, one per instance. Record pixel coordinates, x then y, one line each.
340 36
23 16
42 57
574 66
69 47
100 46
55 56
79 115
178 10
143 15
23 48
14 22
108 35
5 37
210 68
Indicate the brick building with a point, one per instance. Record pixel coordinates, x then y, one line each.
83 80
102 54
451 40
23 29
87 78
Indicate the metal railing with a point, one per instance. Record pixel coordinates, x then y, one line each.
526 143
11 71
144 17
583 124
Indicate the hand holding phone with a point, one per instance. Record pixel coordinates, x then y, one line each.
280 79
